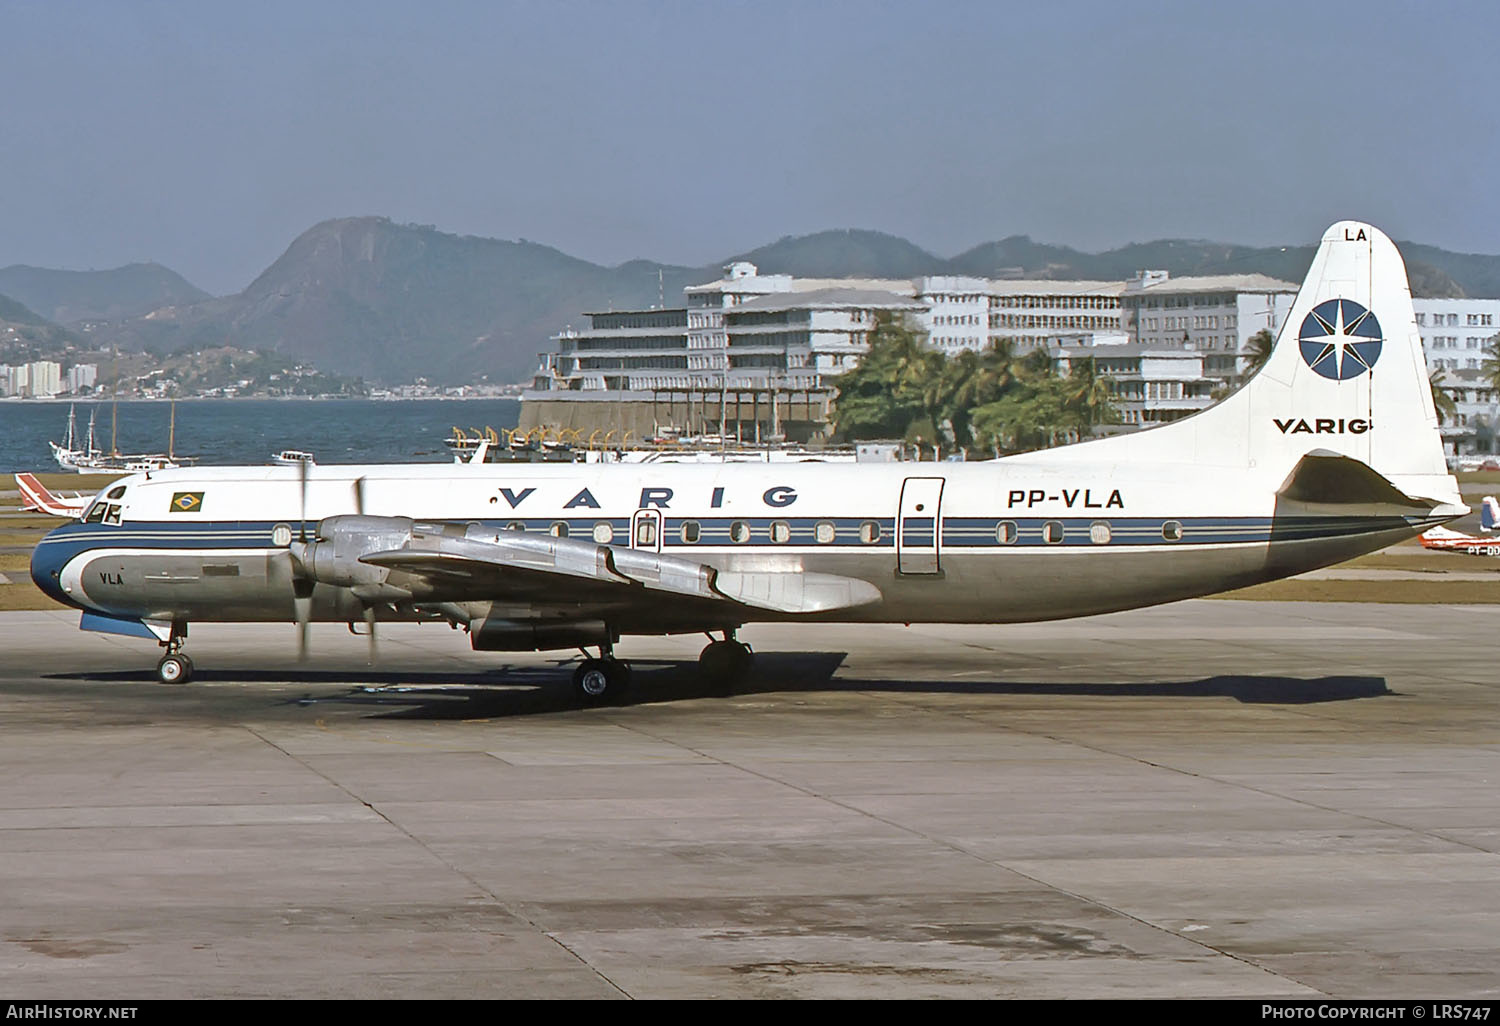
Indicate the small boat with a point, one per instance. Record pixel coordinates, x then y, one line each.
292 457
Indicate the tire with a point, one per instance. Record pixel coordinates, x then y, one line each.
724 664
174 669
597 681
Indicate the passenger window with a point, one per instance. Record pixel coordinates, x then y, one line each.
1052 532
560 529
781 531
1171 531
869 532
1099 532
690 532
739 532
1006 532
604 532
645 532
824 532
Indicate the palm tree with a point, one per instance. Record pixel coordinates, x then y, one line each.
1090 395
1257 351
1491 366
1442 397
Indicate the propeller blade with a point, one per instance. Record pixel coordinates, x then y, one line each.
303 606
302 479
370 628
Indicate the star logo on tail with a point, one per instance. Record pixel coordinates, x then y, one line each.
1340 339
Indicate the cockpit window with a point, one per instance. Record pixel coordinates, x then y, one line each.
116 492
112 515
96 512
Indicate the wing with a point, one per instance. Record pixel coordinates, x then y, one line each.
451 563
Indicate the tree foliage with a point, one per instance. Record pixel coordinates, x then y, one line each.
995 399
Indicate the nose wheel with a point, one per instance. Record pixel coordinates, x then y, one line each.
174 669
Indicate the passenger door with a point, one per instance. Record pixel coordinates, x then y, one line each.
917 526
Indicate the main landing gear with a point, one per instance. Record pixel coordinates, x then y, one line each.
601 680
724 664
175 667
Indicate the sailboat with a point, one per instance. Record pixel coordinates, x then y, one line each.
93 460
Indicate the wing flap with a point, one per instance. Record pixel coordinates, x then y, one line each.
445 558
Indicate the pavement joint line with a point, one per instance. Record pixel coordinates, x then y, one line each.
962 850
449 866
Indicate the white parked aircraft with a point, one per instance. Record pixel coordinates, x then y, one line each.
1330 451
1441 539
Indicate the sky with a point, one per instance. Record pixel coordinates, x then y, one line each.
207 135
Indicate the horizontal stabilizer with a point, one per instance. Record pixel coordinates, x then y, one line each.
1325 481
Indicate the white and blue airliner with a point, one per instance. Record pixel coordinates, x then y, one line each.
1331 450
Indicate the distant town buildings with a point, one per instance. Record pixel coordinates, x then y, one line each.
43 379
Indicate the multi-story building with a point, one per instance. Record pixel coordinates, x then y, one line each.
1457 335
1035 313
1150 385
39 379
1211 314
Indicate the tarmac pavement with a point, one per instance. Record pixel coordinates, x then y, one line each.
1208 799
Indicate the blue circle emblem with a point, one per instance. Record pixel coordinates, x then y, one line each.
1340 339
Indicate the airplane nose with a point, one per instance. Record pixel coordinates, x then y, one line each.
47 561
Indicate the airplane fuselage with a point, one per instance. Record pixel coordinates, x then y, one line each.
1003 541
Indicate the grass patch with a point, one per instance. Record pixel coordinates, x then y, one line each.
20 593
1418 592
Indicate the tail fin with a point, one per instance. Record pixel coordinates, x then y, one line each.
1489 513
35 496
1346 376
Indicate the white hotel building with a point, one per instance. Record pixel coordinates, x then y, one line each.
749 341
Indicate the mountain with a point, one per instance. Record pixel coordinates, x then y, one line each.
12 312
389 302
26 335
843 254
69 297
366 297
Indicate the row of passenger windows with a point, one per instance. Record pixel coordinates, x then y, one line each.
690 531
1055 531
1007 532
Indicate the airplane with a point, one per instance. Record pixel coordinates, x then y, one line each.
1441 539
37 497
1331 450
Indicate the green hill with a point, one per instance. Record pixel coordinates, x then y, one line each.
70 297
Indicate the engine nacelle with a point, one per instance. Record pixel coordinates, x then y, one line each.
333 557
494 635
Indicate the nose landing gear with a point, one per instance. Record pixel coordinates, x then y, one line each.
175 667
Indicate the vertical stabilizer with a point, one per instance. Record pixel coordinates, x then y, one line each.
1345 376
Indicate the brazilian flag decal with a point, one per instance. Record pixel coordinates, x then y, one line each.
187 502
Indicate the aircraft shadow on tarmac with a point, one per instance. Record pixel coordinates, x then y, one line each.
529 690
